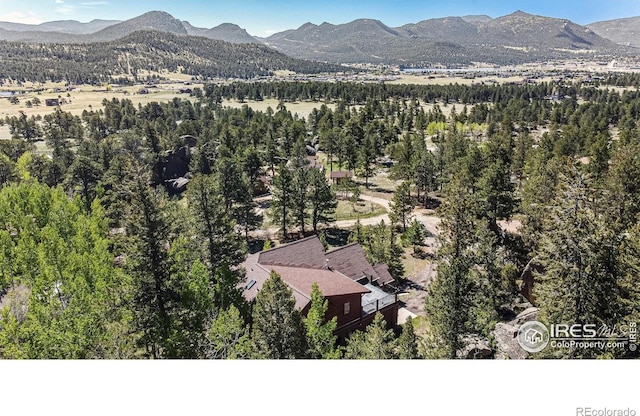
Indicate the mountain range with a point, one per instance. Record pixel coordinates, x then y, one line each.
515 38
71 31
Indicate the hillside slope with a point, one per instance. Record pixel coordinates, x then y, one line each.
623 31
145 50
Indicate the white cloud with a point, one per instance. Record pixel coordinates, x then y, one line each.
29 18
66 9
59 1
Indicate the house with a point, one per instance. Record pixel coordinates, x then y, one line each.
52 102
340 176
355 290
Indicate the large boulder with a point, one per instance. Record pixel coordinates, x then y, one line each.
506 336
475 347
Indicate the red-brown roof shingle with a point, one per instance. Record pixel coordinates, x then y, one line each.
351 261
307 252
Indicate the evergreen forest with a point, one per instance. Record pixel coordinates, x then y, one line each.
105 253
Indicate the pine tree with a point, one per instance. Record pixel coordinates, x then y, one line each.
244 210
629 293
580 257
450 295
148 262
226 292
366 158
8 171
282 198
401 205
299 199
408 342
623 182
376 343
278 332
213 225
425 175
496 193
320 334
192 305
229 336
84 175
321 198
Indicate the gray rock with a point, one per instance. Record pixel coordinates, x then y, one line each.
529 314
475 347
506 342
506 333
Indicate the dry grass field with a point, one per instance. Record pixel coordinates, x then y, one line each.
86 97
301 108
83 97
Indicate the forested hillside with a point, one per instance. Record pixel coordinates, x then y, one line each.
101 257
149 51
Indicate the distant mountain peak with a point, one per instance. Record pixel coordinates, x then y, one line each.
155 20
155 14
307 26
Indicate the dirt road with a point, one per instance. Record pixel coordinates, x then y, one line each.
430 222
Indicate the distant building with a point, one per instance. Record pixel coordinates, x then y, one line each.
52 102
339 176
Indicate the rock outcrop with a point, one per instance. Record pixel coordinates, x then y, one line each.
506 334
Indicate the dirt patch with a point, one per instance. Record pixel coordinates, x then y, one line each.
420 271
512 226
416 289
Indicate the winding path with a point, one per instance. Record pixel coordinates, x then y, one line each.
431 223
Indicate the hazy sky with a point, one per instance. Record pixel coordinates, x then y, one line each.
263 17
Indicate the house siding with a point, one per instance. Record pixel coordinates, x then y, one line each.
336 308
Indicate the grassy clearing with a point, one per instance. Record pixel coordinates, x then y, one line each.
88 97
301 108
360 210
380 185
413 265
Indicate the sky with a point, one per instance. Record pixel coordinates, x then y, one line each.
265 17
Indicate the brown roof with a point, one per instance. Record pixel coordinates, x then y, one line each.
299 279
303 262
384 276
330 283
255 273
337 174
351 261
307 252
